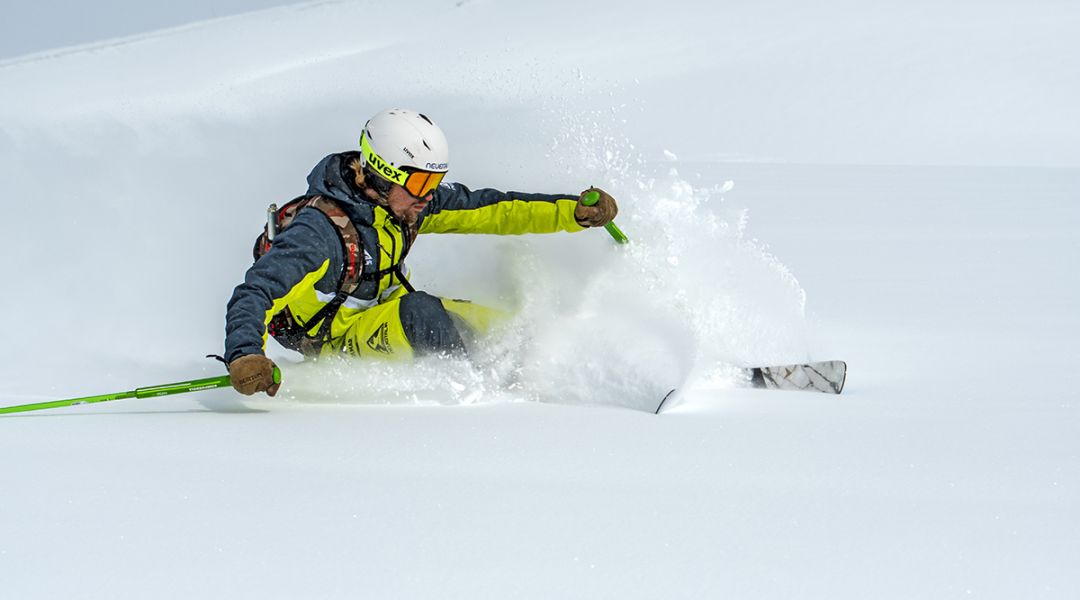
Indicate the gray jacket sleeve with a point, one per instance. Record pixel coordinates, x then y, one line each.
299 250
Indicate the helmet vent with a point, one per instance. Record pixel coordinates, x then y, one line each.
424 117
426 144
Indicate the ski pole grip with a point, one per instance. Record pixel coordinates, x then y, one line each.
590 198
277 374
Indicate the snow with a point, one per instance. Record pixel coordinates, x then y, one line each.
47 24
893 184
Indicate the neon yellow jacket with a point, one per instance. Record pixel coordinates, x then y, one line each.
303 269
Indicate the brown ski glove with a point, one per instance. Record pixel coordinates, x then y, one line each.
253 373
599 214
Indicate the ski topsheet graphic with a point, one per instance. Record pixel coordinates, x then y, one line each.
827 377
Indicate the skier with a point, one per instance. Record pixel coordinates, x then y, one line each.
333 279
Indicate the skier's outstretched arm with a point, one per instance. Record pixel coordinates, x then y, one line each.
457 209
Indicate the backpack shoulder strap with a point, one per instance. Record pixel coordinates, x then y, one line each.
350 238
350 241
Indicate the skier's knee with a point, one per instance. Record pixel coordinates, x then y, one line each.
427 325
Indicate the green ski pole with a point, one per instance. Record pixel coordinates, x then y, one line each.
591 198
167 389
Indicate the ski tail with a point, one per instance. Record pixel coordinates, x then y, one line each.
827 377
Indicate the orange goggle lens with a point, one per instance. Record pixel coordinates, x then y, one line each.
422 183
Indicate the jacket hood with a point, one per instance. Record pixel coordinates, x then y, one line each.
333 178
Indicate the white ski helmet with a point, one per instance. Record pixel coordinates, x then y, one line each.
398 141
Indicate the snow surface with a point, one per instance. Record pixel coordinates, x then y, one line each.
907 178
44 25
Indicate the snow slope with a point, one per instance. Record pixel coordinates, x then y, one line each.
137 171
45 25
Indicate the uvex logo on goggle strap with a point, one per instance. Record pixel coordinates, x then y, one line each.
379 165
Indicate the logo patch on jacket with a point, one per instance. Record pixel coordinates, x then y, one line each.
380 340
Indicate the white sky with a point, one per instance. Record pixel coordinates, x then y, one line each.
29 27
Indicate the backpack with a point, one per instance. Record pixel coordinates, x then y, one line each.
284 326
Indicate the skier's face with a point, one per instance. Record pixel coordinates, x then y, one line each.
404 205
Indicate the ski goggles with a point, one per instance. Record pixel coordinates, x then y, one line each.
422 183
416 182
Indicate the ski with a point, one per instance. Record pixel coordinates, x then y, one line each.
827 377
